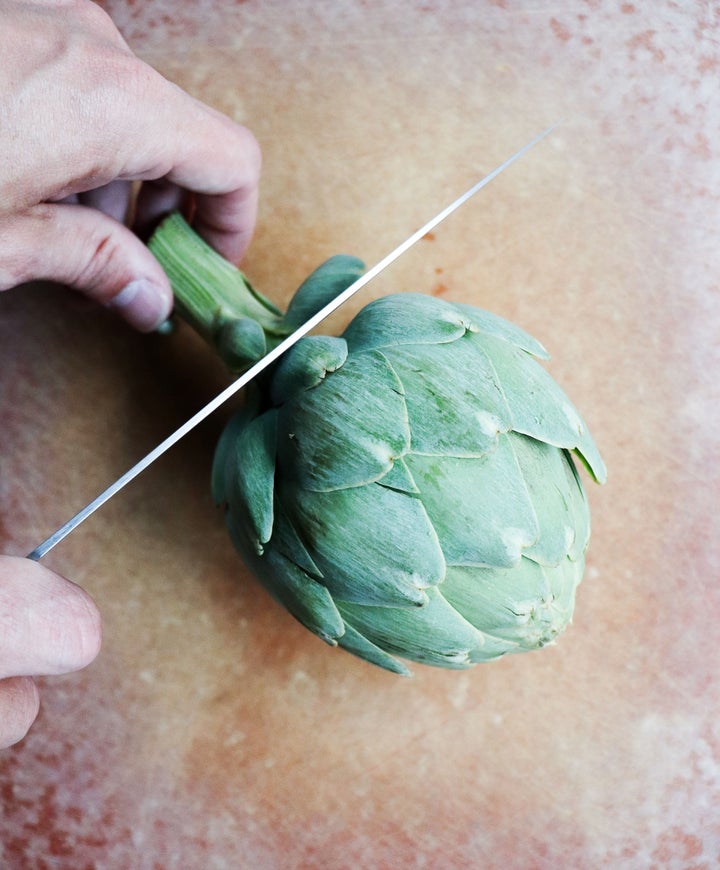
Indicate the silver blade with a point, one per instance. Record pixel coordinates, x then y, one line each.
270 357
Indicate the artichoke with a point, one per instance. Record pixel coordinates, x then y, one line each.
406 490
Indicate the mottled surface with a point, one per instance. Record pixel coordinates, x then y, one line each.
215 732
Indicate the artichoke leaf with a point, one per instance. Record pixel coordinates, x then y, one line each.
399 478
372 544
251 490
287 540
539 407
354 642
482 321
559 507
480 508
435 634
320 287
240 341
306 599
346 431
579 509
223 466
454 403
306 364
404 318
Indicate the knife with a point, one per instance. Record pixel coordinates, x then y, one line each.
270 357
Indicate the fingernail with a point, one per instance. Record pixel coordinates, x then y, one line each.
142 303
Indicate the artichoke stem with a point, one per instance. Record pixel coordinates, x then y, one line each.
212 294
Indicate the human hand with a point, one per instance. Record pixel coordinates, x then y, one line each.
80 118
48 625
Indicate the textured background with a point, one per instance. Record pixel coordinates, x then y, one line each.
213 731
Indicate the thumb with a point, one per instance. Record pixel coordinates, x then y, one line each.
85 249
49 625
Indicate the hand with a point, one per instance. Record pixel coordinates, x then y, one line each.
80 118
47 626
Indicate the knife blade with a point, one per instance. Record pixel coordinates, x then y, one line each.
244 379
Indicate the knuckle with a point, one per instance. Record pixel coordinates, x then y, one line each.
101 260
92 24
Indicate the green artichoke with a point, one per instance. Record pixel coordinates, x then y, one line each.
406 490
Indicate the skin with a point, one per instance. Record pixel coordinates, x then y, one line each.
82 121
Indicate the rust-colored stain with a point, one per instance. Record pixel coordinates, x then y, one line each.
645 40
560 30
708 64
678 845
701 146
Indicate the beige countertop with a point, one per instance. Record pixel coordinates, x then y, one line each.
213 731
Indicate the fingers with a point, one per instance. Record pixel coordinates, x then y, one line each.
19 706
202 151
87 250
155 200
227 223
222 167
112 199
48 625
134 126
